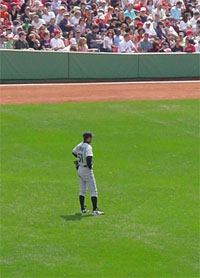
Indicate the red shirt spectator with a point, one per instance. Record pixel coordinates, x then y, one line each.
190 47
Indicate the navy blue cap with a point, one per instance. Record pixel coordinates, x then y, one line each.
87 134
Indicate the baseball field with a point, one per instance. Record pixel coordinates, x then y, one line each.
146 164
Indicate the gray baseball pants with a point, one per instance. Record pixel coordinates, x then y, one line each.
87 179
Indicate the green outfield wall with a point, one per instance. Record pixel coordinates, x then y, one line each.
16 66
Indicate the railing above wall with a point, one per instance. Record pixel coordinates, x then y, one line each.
35 66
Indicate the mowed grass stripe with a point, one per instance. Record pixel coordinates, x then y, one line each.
146 166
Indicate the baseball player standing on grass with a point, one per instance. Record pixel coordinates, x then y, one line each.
84 165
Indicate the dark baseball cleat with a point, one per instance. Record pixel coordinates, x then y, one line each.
85 210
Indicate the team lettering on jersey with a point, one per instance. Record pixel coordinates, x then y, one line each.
83 150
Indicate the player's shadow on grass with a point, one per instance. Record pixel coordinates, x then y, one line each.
75 217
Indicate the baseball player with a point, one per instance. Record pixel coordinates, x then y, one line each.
84 164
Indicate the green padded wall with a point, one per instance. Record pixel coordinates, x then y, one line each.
169 65
29 65
37 65
102 66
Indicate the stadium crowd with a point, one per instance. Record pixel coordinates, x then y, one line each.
122 26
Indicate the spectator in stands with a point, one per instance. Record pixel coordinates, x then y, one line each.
13 12
26 24
150 6
143 15
189 10
117 38
184 24
59 16
148 27
26 3
182 39
121 16
140 34
37 8
155 21
33 42
165 48
155 47
75 19
45 42
2 41
4 15
177 47
52 26
126 46
42 29
108 15
81 27
55 6
193 20
37 22
159 11
82 45
77 35
26 15
21 43
65 24
130 11
160 30
47 15
176 11
57 43
145 44
108 41
93 39
190 46
19 29
9 44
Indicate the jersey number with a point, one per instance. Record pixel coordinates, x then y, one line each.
80 158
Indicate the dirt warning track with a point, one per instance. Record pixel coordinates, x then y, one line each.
95 92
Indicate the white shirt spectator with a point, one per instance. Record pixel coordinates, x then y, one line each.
192 22
160 12
59 17
149 30
170 31
109 42
48 17
38 24
183 25
126 47
57 43
74 20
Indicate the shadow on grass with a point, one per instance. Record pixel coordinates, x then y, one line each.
75 217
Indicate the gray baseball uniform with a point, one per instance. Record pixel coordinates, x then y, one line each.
86 175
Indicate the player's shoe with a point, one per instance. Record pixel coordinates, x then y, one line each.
97 212
85 210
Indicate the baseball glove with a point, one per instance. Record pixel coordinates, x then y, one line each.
76 164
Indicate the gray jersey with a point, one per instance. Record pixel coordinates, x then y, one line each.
83 150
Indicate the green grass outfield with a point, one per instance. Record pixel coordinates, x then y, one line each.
146 167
